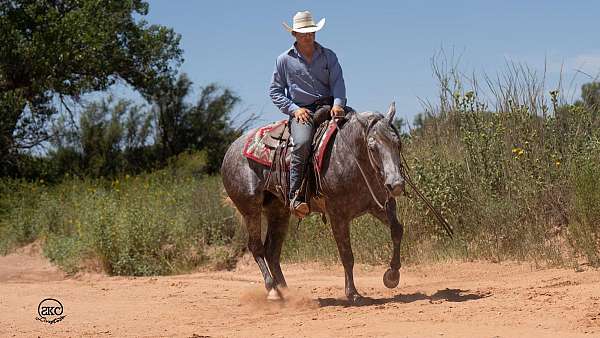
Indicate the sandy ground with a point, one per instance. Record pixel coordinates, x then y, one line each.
444 300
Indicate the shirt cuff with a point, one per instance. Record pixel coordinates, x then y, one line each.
292 108
338 101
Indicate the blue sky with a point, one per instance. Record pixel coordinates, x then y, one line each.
384 47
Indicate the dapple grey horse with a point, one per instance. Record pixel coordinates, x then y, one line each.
361 174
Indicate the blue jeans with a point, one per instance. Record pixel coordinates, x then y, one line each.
302 135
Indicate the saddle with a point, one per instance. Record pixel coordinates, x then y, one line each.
270 146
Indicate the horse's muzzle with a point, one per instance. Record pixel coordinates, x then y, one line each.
396 188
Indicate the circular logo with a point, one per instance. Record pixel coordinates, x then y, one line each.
50 311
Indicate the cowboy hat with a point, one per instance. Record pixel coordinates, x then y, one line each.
304 23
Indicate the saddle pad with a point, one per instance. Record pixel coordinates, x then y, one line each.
322 145
260 145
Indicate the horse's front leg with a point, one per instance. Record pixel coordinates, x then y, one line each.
391 278
341 233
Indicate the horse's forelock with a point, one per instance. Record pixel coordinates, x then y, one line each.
374 117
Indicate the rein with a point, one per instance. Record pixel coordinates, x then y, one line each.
437 214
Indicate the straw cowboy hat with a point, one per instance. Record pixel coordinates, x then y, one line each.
304 23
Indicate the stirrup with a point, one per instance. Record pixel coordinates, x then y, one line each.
300 209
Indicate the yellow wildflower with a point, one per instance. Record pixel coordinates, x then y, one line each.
518 151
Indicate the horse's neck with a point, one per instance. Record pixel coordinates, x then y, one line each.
351 142
353 155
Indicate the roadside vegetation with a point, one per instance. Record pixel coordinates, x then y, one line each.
133 189
518 182
513 167
164 222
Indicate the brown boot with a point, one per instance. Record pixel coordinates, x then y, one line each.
299 209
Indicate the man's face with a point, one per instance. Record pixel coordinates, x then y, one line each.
305 38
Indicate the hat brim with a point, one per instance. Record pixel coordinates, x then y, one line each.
310 29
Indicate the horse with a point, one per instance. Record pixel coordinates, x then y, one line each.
362 173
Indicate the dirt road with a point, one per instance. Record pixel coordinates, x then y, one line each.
445 300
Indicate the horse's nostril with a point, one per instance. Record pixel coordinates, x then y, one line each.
396 188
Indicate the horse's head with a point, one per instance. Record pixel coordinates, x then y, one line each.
384 146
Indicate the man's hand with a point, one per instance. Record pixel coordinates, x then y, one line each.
337 111
302 115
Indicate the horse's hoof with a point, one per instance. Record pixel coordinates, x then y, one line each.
391 278
274 295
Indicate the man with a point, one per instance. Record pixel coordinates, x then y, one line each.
306 77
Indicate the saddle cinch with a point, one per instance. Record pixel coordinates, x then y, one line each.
270 146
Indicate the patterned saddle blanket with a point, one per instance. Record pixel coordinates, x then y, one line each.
261 145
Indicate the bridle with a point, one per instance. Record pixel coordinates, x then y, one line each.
372 162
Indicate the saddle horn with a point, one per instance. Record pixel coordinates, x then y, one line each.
391 112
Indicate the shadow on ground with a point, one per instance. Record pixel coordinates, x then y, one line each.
446 295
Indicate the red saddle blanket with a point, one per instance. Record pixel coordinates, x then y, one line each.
261 143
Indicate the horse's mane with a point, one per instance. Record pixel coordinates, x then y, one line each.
363 118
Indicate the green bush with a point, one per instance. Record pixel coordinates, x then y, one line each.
584 232
159 223
19 223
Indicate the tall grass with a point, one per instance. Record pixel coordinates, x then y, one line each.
159 223
512 166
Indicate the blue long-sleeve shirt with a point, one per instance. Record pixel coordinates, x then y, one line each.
296 83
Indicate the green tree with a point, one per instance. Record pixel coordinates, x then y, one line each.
590 94
112 137
58 48
210 125
206 125
171 109
101 138
400 123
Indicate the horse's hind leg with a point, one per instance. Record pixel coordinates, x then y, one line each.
278 217
391 278
257 248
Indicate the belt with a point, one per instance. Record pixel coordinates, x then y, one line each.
324 101
328 100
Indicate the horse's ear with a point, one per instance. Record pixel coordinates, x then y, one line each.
391 112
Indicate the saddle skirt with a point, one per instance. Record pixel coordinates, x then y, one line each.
262 143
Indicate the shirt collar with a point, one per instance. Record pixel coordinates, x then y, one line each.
293 50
